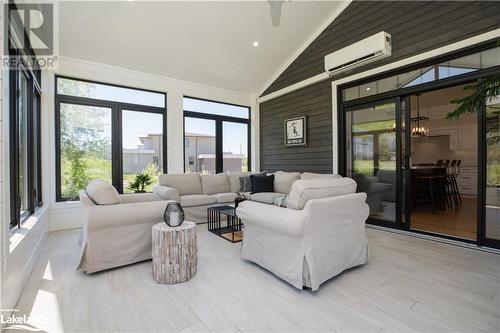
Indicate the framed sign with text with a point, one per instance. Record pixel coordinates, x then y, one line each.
295 131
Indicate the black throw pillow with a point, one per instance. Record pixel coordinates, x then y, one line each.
246 182
262 183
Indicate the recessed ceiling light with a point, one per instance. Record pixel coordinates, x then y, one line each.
368 89
255 44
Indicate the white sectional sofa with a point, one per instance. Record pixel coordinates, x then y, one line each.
197 192
318 235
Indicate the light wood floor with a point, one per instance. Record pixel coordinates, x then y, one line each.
458 221
409 285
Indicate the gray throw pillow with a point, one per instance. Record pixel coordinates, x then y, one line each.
245 184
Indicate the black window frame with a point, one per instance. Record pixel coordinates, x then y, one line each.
33 126
219 121
117 109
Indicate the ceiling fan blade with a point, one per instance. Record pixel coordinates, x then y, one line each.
275 6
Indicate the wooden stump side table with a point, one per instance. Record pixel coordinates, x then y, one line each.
175 252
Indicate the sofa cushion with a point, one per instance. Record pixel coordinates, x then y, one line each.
312 175
265 197
234 180
102 193
185 183
262 183
191 200
225 197
283 181
211 184
305 190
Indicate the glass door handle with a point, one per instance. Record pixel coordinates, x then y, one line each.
406 161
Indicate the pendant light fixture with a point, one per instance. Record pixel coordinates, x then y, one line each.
418 129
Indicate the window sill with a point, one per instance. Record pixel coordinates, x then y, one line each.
66 204
17 235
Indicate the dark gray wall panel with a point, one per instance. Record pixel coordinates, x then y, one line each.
313 101
415 27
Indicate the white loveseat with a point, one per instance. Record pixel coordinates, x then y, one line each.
320 234
197 192
117 232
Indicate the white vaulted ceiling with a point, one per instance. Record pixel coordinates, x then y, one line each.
205 42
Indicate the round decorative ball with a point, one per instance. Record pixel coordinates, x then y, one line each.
174 214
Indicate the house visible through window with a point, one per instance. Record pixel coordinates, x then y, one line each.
107 132
216 136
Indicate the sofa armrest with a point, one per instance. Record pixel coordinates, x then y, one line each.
332 214
166 193
270 217
138 197
110 216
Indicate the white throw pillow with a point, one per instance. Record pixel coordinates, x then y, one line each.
283 181
212 184
305 190
102 193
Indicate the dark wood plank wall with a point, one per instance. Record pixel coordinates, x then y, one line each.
415 27
313 101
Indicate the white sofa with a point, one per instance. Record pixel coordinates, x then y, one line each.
117 232
320 234
197 192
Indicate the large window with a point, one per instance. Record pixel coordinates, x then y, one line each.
107 132
85 137
25 157
199 136
216 137
142 142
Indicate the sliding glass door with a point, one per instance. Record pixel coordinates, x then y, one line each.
372 156
422 171
492 195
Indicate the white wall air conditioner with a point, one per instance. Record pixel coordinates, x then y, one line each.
368 50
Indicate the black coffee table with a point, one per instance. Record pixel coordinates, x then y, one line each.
231 229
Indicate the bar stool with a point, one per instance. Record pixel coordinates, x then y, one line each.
451 181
